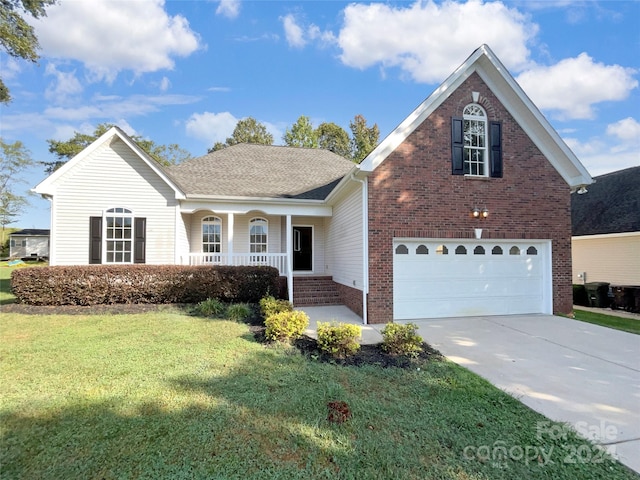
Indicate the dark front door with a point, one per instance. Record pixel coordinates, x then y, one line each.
302 249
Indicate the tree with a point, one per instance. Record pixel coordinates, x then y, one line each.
248 130
301 134
363 138
334 138
14 159
65 150
17 37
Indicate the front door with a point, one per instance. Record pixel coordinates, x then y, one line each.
302 249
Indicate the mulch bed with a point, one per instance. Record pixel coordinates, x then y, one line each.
367 355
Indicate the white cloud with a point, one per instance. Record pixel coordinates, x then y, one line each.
65 86
429 40
10 68
109 37
627 129
619 148
211 127
228 8
164 85
293 32
572 86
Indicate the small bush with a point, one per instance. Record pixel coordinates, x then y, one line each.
211 307
238 312
285 326
339 340
402 339
270 306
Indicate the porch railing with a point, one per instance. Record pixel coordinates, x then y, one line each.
277 260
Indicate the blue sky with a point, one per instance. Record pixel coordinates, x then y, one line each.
186 71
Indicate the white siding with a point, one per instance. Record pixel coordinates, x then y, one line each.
113 176
319 264
344 257
38 246
607 258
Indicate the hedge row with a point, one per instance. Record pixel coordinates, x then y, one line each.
109 284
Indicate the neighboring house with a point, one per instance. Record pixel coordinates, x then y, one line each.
29 243
395 236
605 238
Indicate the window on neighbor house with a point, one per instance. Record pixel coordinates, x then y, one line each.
211 235
117 237
258 236
476 144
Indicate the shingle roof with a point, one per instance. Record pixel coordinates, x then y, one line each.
32 232
267 171
611 205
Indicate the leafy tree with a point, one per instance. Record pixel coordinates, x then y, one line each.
14 159
65 150
301 134
248 130
17 37
363 138
334 138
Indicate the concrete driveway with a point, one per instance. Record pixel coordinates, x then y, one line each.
570 371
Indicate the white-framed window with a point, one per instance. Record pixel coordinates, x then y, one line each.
258 236
211 235
475 140
118 235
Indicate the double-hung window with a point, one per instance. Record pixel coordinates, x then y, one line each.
118 235
211 235
258 236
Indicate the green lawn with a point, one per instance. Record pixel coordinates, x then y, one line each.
168 395
630 325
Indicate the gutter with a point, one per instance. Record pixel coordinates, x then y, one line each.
365 243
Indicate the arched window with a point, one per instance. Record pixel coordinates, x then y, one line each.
211 235
479 250
514 250
442 250
461 250
402 250
422 250
475 140
497 250
532 251
258 235
118 235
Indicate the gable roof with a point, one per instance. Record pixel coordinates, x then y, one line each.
485 63
262 171
31 232
47 186
612 205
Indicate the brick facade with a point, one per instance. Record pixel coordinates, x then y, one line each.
350 297
413 194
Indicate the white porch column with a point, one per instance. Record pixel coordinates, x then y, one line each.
290 258
230 238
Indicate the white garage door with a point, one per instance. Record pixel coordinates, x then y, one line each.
451 278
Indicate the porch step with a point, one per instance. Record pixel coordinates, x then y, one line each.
315 291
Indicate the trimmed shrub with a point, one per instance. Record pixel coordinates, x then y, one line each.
109 284
285 326
239 312
402 339
270 306
339 339
580 296
211 307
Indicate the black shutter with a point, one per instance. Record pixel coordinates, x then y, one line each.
457 146
95 240
139 240
495 162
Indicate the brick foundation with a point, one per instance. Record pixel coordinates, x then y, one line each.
351 297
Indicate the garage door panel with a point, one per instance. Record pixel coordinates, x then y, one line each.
434 286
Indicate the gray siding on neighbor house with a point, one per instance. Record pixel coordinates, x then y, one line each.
344 255
112 176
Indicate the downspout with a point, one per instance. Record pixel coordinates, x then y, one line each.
365 244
